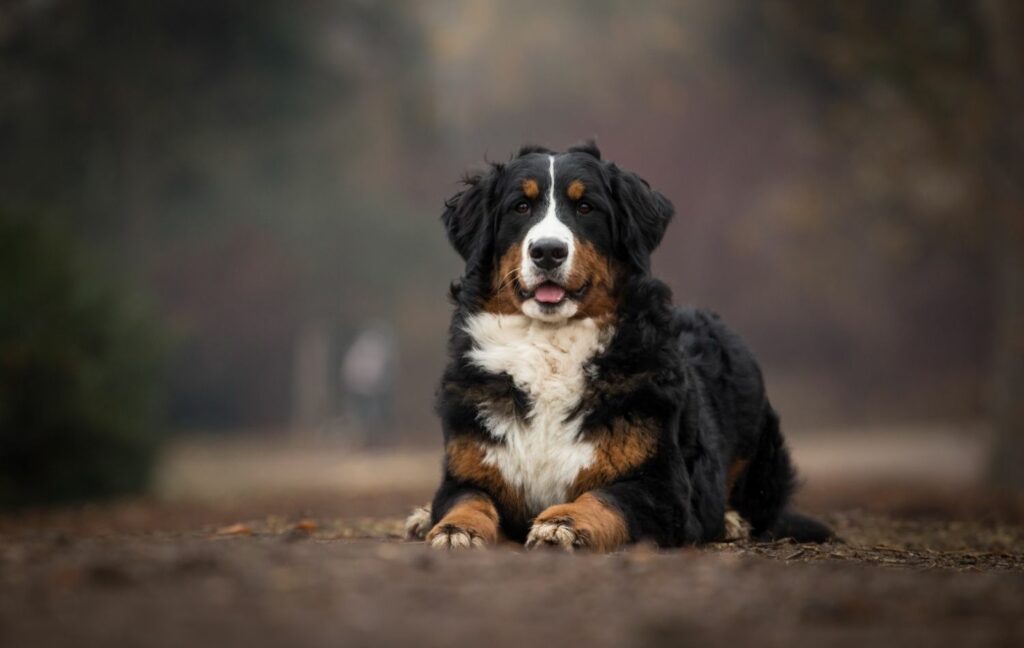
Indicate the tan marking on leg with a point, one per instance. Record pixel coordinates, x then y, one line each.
466 461
617 450
587 523
736 470
575 190
530 188
471 522
592 269
503 299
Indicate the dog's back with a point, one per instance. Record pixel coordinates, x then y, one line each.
760 477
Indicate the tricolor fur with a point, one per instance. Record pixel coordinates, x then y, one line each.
579 407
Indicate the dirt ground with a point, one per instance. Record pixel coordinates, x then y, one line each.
920 563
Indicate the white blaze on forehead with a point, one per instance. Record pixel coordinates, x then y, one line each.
548 227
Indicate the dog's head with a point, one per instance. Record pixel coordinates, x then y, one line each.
552 235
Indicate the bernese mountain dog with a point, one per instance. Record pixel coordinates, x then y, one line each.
580 408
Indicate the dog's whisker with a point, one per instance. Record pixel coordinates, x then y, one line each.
510 277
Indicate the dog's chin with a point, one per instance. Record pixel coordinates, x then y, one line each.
550 313
538 303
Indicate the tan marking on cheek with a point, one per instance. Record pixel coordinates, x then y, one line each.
503 299
530 188
617 450
474 513
575 190
601 525
593 269
466 461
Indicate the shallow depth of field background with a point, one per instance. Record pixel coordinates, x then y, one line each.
224 269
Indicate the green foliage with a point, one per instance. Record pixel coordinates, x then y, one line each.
79 374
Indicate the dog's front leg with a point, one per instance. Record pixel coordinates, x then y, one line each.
590 522
470 522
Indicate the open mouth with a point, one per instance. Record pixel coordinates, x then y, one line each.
550 294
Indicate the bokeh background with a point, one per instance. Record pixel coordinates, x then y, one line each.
222 266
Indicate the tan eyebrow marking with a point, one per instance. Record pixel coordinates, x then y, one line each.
531 188
575 190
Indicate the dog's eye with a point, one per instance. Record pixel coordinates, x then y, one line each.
584 208
523 207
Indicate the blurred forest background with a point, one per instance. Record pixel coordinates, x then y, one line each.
221 217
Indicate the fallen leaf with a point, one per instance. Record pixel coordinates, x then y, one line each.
235 529
307 525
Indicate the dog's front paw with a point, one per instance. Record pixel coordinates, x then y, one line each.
587 523
556 532
453 536
471 523
417 525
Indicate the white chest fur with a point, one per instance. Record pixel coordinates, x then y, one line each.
542 454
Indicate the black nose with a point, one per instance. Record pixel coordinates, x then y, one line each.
549 253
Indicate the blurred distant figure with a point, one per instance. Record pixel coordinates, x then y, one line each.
368 378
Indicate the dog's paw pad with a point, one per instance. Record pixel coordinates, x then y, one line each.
417 525
556 532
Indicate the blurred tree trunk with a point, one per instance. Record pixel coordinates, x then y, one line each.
311 390
1005 19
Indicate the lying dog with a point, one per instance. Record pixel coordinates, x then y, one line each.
580 408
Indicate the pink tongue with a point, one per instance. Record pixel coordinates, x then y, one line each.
549 294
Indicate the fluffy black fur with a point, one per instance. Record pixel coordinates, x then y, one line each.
682 368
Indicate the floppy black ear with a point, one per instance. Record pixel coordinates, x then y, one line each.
468 220
641 217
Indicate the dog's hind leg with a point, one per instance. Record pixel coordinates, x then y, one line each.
736 528
762 492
